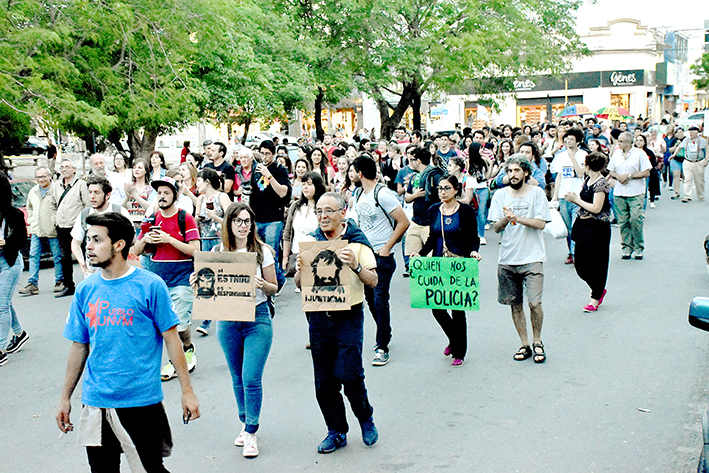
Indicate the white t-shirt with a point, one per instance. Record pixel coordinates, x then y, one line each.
636 161
78 233
267 261
565 173
305 222
370 216
520 243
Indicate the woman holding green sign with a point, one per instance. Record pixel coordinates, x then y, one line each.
453 234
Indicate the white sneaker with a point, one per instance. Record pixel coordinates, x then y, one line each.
487 226
191 359
250 445
239 441
652 205
168 372
297 290
483 241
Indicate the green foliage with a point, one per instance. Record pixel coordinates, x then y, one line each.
14 129
701 69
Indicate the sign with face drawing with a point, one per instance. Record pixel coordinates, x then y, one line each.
224 289
324 278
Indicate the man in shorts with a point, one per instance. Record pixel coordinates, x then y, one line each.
522 211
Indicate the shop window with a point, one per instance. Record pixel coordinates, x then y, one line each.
620 100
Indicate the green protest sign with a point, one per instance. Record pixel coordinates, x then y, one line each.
444 283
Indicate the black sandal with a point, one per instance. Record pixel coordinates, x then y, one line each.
539 357
523 353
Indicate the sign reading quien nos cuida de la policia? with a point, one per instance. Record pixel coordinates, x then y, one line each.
225 288
444 283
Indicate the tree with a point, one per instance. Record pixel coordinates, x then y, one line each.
410 47
701 69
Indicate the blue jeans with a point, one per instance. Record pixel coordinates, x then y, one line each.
568 211
336 348
36 244
378 299
209 243
246 346
271 234
9 278
482 195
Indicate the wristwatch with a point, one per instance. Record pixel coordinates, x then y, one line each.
358 269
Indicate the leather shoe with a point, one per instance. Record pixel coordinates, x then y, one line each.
65 292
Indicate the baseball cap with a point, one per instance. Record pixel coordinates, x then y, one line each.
597 126
166 181
693 128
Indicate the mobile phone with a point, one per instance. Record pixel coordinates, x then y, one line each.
210 205
154 228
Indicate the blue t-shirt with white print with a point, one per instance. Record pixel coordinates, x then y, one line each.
122 320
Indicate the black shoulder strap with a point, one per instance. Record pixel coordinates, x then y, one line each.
181 222
377 189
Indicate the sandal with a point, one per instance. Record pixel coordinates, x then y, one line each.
539 356
523 353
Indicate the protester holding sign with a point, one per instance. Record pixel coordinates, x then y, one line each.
246 344
453 234
336 335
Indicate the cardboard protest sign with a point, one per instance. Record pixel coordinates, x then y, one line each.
444 283
225 286
324 279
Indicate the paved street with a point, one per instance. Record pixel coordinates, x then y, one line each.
580 411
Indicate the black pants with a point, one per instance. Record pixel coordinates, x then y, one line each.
593 239
149 430
64 239
455 328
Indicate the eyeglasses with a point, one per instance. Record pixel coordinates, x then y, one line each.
444 188
42 176
239 222
326 212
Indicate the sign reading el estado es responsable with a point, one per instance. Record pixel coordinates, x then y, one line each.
444 283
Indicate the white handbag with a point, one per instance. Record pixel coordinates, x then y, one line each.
556 228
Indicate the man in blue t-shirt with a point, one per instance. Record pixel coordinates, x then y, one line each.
117 323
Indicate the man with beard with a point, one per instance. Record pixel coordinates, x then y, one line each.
336 336
98 168
172 240
522 210
100 202
117 322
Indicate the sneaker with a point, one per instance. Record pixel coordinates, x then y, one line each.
369 433
447 351
487 226
204 328
297 290
625 256
17 342
381 358
406 274
29 290
3 358
191 359
239 440
483 241
168 372
638 255
569 260
332 442
652 205
675 197
58 286
457 362
590 308
250 445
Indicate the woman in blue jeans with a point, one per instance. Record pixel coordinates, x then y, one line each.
13 236
246 344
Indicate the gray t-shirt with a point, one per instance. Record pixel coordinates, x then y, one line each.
371 219
521 244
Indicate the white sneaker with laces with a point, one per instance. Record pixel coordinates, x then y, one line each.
483 241
239 441
250 445
168 372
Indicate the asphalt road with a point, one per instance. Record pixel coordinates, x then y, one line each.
622 390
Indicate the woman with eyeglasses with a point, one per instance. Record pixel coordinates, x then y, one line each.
246 344
453 233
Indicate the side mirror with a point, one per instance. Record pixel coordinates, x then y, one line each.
699 313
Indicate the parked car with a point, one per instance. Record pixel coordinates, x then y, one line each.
33 146
20 190
698 119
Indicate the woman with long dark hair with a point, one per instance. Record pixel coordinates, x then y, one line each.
158 168
301 219
13 236
476 186
246 344
321 165
592 229
452 234
653 182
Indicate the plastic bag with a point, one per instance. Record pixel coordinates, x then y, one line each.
556 228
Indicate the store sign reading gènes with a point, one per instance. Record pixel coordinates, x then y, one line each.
618 78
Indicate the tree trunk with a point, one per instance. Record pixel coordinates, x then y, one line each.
141 147
390 122
247 125
319 98
416 108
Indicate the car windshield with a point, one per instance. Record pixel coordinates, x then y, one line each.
20 190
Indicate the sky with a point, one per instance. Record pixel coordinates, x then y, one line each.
652 13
